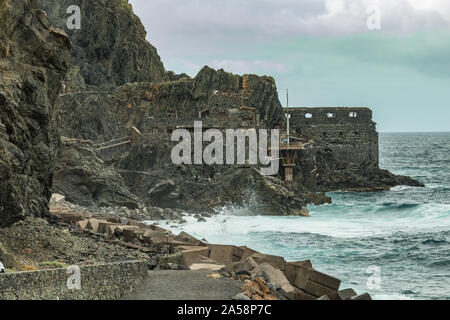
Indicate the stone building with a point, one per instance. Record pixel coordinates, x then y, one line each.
349 132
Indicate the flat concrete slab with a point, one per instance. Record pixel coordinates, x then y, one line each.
185 285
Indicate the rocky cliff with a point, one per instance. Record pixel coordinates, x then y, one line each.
34 57
106 115
84 179
117 83
110 48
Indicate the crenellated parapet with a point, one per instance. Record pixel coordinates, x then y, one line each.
349 132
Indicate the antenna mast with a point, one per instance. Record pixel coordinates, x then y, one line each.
288 116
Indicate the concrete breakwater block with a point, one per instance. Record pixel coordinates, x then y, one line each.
68 215
291 269
82 224
185 237
316 289
107 227
206 266
247 264
306 278
195 254
131 235
276 261
138 224
225 253
93 224
247 252
346 294
364 296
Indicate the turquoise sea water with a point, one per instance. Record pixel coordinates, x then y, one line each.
404 232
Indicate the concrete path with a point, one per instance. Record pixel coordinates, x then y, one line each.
185 285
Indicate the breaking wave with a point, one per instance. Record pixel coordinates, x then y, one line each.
405 231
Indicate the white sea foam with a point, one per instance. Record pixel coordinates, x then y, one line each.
333 222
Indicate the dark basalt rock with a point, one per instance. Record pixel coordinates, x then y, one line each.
103 116
34 57
110 49
148 171
334 175
85 180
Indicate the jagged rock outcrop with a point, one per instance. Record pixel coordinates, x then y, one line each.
110 48
85 180
34 57
106 115
334 175
149 172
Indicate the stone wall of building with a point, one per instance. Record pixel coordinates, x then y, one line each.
98 282
349 132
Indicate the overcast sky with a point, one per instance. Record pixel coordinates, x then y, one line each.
322 50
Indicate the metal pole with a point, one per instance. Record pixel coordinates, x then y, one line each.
288 116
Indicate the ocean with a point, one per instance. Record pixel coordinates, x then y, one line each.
393 244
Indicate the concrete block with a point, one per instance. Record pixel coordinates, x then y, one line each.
123 227
245 265
111 228
82 224
194 254
93 224
303 274
155 234
103 227
276 261
70 217
297 294
135 223
291 269
364 296
316 289
131 234
247 252
185 237
206 266
225 253
113 220
346 294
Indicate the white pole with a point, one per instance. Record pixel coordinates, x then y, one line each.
288 116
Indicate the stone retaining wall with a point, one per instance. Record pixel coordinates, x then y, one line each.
98 282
